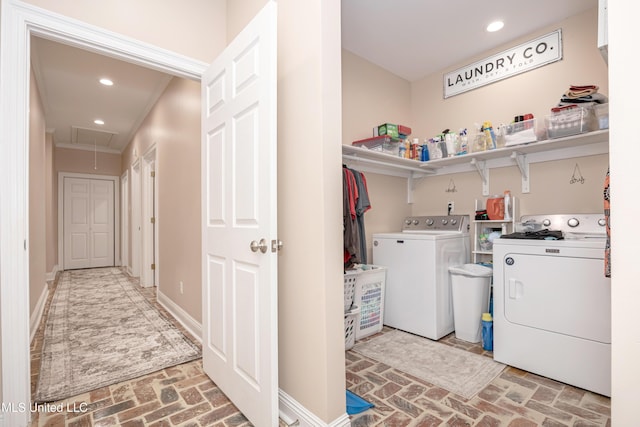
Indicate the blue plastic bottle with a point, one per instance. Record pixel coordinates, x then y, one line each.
487 331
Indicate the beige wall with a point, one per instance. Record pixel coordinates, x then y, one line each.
173 126
195 29
372 96
37 185
83 161
624 32
537 91
534 92
311 323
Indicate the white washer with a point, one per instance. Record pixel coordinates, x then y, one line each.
552 303
418 286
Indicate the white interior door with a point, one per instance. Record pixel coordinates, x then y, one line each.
88 223
239 210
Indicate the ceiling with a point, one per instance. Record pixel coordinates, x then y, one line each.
72 97
415 38
410 38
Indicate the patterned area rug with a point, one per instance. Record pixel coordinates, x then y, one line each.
100 331
458 371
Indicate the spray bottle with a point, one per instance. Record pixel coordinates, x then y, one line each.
507 205
490 136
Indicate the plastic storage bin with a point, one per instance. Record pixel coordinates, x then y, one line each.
520 133
569 122
471 286
602 115
383 144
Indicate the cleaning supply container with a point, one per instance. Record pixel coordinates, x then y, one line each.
487 331
471 286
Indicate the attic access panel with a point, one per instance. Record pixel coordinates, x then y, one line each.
92 137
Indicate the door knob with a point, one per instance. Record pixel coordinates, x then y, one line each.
255 246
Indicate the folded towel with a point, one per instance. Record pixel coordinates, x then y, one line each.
594 97
578 91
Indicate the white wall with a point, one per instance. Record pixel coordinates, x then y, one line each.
624 32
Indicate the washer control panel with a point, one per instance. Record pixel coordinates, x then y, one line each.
451 223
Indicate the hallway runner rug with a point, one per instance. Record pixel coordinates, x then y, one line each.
455 370
100 331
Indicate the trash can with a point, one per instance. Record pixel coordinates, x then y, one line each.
471 286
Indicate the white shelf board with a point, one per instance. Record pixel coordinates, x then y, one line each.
585 144
386 164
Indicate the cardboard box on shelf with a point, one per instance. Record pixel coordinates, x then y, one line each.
388 129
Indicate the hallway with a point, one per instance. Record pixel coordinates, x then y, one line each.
179 395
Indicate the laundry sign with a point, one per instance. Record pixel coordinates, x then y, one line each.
519 59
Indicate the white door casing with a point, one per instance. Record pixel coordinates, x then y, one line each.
136 228
125 211
238 208
88 232
149 226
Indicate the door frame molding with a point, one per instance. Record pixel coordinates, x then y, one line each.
136 218
148 201
116 212
18 21
125 205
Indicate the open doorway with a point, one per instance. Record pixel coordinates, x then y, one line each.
15 301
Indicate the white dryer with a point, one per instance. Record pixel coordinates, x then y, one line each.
418 286
552 302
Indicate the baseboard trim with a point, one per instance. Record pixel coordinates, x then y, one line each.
185 319
36 316
52 275
295 414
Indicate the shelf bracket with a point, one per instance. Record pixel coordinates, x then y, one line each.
523 165
481 166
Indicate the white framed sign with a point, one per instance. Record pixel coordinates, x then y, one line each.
519 59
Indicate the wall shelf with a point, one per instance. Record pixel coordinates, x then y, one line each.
585 144
480 254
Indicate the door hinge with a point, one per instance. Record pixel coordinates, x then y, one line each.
153 266
153 220
153 174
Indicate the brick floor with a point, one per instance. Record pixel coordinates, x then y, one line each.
184 396
514 399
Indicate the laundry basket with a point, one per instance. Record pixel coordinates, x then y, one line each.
369 297
349 288
350 327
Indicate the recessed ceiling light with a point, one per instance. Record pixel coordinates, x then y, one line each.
98 122
495 26
106 82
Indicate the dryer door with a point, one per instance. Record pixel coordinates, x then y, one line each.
564 295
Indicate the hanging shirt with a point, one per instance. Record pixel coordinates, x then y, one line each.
607 212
